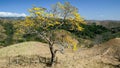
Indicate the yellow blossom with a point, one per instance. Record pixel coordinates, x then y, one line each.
80 28
50 15
37 13
36 8
57 22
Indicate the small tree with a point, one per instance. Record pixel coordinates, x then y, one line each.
43 23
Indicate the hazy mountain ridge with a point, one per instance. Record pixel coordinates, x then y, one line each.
13 18
105 23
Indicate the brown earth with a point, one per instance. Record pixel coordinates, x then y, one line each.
106 55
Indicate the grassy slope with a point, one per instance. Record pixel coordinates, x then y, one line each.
26 48
96 57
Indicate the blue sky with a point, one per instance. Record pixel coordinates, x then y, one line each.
89 9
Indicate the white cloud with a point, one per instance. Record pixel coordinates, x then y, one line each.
10 14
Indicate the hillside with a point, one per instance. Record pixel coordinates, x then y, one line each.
26 48
106 23
106 55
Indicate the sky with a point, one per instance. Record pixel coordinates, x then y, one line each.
88 9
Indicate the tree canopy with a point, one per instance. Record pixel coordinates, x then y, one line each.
45 24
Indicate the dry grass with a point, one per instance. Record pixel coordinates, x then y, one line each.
106 55
26 48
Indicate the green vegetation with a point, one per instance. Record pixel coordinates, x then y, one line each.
90 32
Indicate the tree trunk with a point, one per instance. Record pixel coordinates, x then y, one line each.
52 55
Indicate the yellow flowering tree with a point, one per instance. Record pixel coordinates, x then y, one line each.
45 25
